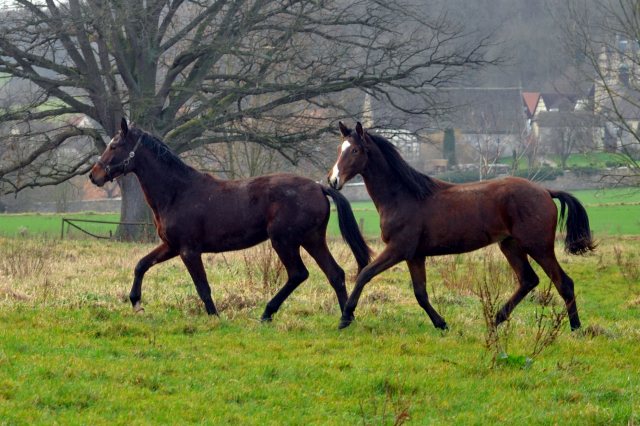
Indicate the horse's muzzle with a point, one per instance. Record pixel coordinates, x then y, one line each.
335 184
97 176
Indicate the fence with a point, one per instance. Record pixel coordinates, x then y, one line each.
70 223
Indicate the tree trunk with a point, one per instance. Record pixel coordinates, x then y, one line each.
134 209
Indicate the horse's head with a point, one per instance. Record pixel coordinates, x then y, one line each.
118 158
352 156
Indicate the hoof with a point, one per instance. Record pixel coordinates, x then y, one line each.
500 318
345 322
266 318
443 326
138 309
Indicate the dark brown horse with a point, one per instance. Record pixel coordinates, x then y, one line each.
197 213
421 216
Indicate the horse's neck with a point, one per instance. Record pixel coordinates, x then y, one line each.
381 181
160 182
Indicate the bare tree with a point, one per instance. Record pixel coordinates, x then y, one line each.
111 189
269 72
604 37
238 159
567 132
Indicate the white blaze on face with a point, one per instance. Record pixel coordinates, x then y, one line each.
336 172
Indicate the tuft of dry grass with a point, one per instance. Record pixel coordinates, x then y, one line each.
544 298
6 292
592 331
25 257
264 269
455 273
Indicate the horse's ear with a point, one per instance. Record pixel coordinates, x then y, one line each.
360 130
123 127
343 129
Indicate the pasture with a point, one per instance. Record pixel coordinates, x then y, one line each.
73 352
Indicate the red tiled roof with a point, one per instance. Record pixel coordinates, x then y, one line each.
530 100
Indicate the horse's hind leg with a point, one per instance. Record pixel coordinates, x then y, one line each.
158 255
419 279
318 249
289 254
193 261
563 283
526 276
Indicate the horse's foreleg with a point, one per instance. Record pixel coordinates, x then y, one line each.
390 256
159 254
419 279
193 262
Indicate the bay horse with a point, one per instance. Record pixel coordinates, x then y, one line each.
421 216
196 213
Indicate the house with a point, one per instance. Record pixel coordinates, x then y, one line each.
489 123
615 96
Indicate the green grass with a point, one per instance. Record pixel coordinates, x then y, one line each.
598 159
609 196
51 224
72 351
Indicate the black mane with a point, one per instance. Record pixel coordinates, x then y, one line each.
419 184
158 147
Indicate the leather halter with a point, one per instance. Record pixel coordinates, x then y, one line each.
124 163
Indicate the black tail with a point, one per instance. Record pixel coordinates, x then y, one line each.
349 228
579 239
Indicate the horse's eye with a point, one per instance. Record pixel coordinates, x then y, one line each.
112 147
354 151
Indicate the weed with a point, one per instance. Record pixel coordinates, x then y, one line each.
392 410
491 280
629 266
549 321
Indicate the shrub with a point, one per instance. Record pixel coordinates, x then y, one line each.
459 176
540 173
585 170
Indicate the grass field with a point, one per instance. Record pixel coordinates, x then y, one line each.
50 224
73 352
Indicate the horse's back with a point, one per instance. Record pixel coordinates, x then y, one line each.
239 213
